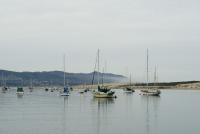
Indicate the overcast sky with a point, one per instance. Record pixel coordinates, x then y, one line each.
34 34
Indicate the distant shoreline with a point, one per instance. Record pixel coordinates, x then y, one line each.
187 85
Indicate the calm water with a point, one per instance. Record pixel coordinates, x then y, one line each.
40 112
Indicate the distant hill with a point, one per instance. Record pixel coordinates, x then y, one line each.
54 78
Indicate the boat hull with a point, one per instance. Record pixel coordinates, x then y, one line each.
20 93
128 90
64 94
150 92
103 95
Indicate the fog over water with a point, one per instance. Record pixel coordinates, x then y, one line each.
35 34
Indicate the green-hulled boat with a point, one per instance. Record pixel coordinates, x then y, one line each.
20 91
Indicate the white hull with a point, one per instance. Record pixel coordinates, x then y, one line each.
20 93
64 94
150 92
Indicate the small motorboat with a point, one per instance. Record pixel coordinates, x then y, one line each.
20 91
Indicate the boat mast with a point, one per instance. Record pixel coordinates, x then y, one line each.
31 83
130 79
147 67
98 66
2 80
103 76
64 69
105 70
5 81
22 82
94 68
155 76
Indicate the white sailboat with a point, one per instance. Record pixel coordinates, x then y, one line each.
102 92
148 91
65 91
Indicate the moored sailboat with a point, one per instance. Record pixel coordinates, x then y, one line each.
129 88
31 86
102 92
4 86
66 88
148 91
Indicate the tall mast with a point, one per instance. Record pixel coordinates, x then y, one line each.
155 76
98 66
130 79
5 81
105 70
103 76
22 82
2 80
64 68
31 82
147 67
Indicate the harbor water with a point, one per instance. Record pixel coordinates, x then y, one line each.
41 112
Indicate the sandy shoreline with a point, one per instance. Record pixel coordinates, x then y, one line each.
190 86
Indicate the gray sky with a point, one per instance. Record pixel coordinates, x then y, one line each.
34 34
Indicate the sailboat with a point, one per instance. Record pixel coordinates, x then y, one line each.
129 89
65 87
102 92
4 87
148 91
85 89
31 86
20 90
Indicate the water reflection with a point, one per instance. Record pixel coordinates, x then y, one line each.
103 102
151 104
19 96
103 106
82 101
63 117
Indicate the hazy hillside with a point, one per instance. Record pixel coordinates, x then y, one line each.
54 78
